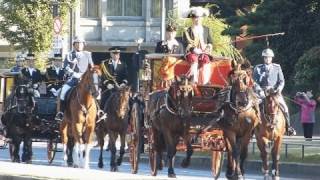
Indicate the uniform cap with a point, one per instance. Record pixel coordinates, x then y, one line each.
115 49
30 56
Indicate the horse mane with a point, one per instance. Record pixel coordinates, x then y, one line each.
116 99
89 71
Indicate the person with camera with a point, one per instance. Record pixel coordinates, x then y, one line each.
307 111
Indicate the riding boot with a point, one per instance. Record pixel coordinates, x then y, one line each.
290 130
59 115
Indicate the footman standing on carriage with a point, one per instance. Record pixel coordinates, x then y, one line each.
75 65
171 45
114 73
198 43
269 76
55 75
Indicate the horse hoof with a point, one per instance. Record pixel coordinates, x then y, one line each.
185 163
100 165
16 160
275 177
172 175
119 162
240 177
229 176
113 169
134 171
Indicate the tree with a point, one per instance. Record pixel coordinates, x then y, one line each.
308 71
300 20
27 24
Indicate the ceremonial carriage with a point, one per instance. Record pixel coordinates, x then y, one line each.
157 73
44 128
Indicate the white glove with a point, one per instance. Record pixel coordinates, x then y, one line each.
262 94
69 70
35 86
197 51
110 86
76 75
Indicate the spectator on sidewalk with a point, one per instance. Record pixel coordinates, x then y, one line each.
307 111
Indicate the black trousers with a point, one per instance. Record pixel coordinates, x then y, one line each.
308 129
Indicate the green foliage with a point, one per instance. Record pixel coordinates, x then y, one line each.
308 70
27 24
221 43
300 20
230 8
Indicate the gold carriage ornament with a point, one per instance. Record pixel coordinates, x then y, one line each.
145 72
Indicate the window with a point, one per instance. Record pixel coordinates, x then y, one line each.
89 8
124 7
156 8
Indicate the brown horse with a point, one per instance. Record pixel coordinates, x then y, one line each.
272 129
169 113
241 116
116 123
80 117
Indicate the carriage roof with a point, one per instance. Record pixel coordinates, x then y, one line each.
9 74
157 56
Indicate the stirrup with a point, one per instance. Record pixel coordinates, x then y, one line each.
59 116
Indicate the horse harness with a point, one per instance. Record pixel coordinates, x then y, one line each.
270 121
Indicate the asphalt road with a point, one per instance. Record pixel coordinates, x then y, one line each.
56 171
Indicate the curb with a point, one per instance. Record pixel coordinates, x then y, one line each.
252 166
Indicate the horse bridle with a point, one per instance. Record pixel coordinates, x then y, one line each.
268 115
250 103
179 91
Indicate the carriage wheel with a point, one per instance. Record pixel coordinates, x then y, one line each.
51 150
216 163
152 153
135 144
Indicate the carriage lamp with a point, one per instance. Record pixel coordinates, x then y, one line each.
145 72
139 41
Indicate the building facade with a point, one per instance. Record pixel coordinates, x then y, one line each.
107 23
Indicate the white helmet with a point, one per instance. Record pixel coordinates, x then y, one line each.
78 39
267 53
19 58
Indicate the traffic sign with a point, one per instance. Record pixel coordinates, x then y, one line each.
57 25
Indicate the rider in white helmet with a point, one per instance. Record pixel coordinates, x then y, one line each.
269 76
75 65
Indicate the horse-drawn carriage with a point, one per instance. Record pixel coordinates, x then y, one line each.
27 118
158 75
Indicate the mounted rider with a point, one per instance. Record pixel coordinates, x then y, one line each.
75 65
114 73
269 76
